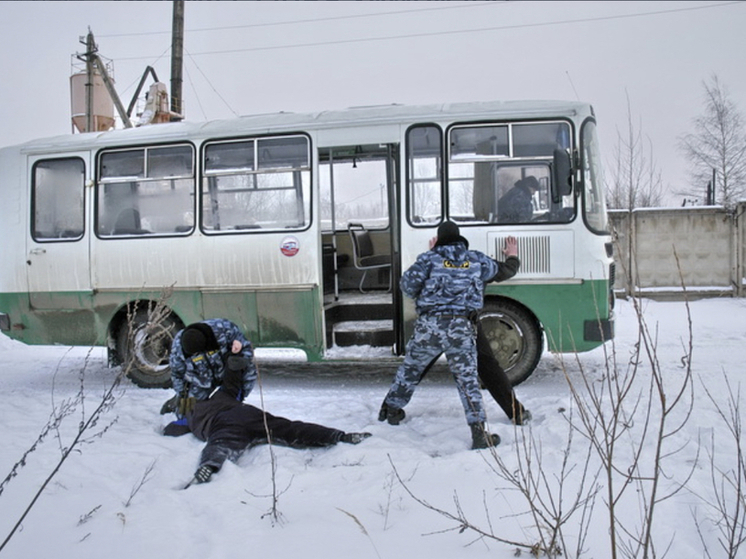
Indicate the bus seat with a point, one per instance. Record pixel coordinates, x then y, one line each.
363 257
128 223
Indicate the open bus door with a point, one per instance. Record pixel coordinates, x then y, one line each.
358 186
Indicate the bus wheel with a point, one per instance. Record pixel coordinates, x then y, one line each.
144 347
515 337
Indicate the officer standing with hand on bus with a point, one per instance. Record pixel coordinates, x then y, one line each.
491 373
447 283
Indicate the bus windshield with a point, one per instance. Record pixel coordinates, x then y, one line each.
594 202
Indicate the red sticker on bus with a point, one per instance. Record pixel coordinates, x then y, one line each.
290 246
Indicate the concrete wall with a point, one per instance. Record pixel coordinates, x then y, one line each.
661 252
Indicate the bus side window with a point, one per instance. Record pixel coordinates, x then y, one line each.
146 191
261 183
500 173
424 174
57 200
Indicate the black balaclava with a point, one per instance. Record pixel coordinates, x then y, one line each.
448 233
198 338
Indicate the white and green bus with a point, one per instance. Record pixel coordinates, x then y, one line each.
252 219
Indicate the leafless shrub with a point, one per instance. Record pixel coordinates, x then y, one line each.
142 481
631 416
385 509
727 503
86 433
273 513
551 500
89 417
463 523
59 413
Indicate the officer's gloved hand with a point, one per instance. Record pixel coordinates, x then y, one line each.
233 378
169 406
185 405
237 363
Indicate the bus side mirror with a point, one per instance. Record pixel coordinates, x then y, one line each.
561 175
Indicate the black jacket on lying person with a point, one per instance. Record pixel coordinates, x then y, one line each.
229 427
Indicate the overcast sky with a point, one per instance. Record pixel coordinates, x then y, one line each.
260 57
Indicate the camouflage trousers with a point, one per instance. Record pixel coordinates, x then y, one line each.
433 335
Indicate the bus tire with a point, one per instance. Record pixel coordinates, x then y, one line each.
515 337
144 348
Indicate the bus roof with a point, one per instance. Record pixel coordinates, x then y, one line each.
296 122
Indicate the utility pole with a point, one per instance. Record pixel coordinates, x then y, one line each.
177 60
90 48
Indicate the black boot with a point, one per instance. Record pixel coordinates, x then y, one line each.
480 438
393 415
204 473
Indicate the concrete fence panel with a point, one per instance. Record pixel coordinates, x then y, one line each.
656 250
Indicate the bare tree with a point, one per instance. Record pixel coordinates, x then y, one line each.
718 145
636 180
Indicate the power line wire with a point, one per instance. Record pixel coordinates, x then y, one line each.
196 94
210 83
314 20
455 32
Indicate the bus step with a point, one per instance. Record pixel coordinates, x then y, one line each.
339 313
375 333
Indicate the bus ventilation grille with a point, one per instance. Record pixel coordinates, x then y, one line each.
534 252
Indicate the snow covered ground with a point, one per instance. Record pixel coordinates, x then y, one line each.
118 494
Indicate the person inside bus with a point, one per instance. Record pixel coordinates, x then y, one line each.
212 371
491 374
447 283
516 205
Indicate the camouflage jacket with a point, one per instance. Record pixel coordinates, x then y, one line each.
201 373
449 279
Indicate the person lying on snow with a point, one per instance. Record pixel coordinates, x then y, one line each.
212 371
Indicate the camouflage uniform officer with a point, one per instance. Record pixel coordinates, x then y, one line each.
447 283
199 364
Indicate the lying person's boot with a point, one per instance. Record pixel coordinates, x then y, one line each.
480 438
203 474
393 415
354 438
